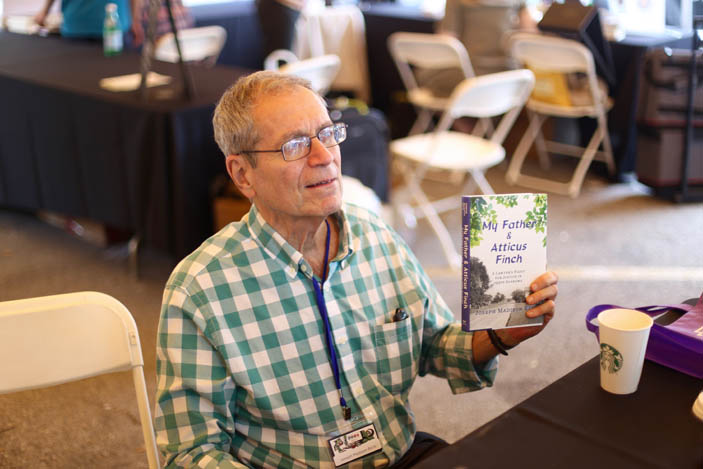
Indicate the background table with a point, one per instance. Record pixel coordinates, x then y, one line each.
574 423
68 146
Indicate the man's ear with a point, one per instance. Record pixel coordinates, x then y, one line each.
240 171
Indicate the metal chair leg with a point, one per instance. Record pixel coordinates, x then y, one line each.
515 166
607 146
586 159
422 122
445 240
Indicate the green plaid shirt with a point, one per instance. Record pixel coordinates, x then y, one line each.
244 376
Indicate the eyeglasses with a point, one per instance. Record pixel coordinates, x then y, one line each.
299 147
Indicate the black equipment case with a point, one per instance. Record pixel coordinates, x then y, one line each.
661 119
365 152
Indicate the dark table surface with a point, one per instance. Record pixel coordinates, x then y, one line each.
69 146
573 423
77 66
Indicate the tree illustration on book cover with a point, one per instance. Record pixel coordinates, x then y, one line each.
504 249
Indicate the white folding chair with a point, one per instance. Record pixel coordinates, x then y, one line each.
57 339
321 71
413 51
552 58
202 44
497 94
275 59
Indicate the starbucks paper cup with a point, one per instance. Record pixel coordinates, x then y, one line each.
623 335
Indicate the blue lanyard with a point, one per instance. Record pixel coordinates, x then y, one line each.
346 411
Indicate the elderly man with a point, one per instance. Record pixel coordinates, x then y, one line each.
292 337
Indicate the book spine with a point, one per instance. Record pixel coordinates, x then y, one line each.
465 263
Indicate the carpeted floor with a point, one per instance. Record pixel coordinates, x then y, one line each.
614 244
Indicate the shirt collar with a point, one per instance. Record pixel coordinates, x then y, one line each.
278 248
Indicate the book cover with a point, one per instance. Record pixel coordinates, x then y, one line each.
504 248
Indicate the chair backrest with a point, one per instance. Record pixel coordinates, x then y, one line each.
542 53
321 71
494 94
275 59
61 338
427 51
202 44
551 53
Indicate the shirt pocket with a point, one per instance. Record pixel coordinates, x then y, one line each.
396 355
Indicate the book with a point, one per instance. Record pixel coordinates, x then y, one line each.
504 248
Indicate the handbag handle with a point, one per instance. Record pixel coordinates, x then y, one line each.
653 310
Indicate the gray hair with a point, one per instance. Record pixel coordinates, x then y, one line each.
233 122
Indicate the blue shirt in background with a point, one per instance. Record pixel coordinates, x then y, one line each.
84 18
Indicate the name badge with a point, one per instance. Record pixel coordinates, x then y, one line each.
354 445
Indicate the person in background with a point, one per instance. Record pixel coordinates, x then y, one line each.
481 25
140 19
295 334
84 18
277 19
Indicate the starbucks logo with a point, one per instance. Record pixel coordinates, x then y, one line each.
610 358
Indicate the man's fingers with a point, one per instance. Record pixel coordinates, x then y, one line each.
546 309
543 281
548 293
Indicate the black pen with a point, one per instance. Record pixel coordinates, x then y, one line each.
399 315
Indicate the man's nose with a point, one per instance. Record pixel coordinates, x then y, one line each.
319 154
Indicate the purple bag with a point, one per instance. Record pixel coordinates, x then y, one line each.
676 338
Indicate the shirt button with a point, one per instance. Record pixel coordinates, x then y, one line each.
343 340
304 268
358 390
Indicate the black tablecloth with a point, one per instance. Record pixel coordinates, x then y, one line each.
69 146
574 423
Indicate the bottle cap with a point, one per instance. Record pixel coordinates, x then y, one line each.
111 7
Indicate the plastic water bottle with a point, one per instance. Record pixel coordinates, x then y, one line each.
112 33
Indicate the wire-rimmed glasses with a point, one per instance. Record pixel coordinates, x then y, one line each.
299 147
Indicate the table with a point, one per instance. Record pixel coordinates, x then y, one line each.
70 147
574 423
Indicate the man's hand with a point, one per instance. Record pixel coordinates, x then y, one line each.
137 31
544 288
40 18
